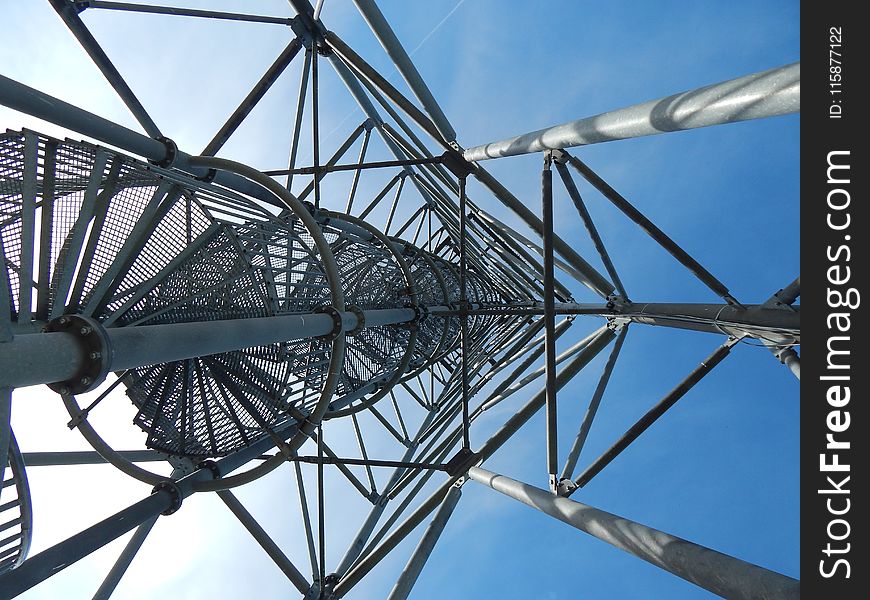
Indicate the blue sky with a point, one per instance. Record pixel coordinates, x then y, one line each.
720 469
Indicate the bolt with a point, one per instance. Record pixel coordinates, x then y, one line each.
63 320
86 330
85 380
64 391
95 355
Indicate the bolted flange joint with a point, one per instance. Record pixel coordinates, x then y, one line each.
96 350
171 155
211 466
336 322
174 493
360 318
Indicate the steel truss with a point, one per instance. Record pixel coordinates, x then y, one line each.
244 315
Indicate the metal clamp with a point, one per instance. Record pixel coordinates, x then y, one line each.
174 492
96 348
171 155
336 322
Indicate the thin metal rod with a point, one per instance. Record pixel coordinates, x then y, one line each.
120 567
315 131
266 542
549 323
364 70
300 111
652 230
254 96
574 193
655 412
17 96
355 166
582 270
421 554
187 12
362 156
382 30
67 12
87 457
306 518
719 573
580 440
763 94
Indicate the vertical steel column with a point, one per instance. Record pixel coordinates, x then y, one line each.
719 573
463 314
415 565
123 563
549 322
315 124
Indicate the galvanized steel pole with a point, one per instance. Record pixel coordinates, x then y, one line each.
714 571
764 94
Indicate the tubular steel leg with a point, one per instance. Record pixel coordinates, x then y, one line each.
655 412
120 567
415 565
764 94
393 46
266 542
719 573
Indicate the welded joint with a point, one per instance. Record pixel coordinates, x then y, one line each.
95 346
369 124
559 156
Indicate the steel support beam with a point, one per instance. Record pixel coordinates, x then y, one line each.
764 94
164 499
254 96
549 323
585 273
585 425
415 565
382 30
87 457
574 193
496 441
650 228
266 542
30 101
719 573
186 12
655 412
67 12
123 563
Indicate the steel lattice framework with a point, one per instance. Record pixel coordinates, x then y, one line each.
243 314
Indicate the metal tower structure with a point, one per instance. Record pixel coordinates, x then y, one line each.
359 313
